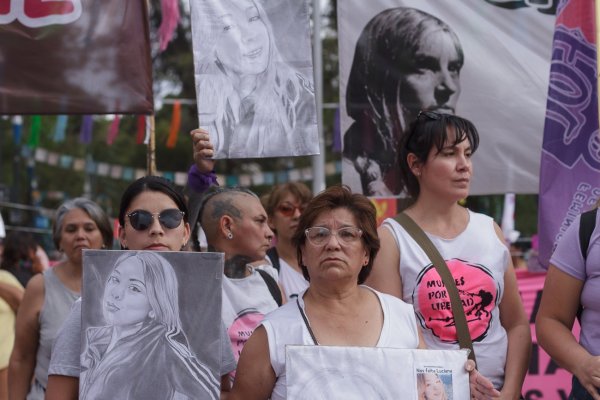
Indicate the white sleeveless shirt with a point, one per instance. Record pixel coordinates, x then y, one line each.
285 326
477 259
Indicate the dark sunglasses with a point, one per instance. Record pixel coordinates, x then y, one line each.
141 220
288 210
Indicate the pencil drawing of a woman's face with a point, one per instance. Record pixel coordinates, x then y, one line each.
244 44
125 295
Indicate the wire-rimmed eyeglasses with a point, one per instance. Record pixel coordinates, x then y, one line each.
319 235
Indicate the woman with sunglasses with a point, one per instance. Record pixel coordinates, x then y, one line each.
152 216
79 224
284 205
435 161
336 242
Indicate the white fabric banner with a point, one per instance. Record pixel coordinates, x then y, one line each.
482 60
336 372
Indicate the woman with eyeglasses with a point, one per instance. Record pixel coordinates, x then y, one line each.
152 216
284 205
436 166
79 224
336 242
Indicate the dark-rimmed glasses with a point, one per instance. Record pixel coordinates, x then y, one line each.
288 209
319 235
141 220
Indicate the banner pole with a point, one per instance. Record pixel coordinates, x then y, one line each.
151 156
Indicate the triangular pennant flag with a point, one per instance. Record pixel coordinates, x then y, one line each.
17 126
141 129
60 128
170 18
36 127
113 130
85 134
175 124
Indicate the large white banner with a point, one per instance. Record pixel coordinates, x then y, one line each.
485 60
336 372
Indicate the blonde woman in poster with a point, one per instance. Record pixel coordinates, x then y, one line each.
251 101
141 308
153 215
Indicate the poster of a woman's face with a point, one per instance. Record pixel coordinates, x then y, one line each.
255 93
140 314
482 60
431 386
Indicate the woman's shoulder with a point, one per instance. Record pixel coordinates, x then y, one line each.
283 315
392 301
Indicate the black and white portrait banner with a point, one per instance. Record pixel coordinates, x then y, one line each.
151 325
254 77
336 372
485 60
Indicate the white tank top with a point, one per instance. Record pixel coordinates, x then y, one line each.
285 326
477 260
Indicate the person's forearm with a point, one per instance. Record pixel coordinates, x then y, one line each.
62 387
517 360
20 373
560 344
12 295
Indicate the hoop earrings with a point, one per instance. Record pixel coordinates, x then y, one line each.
229 235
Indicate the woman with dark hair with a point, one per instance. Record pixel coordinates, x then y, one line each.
435 160
79 224
19 256
152 216
143 328
405 61
284 205
336 243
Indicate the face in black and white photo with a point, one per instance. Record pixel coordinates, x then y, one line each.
125 296
244 47
433 82
405 61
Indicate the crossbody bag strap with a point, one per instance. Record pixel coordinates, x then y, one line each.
460 320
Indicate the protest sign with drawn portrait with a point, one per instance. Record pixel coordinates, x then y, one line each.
151 325
254 77
337 372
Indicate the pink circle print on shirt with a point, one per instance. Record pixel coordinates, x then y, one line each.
478 292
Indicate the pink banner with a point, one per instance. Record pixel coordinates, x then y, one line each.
545 379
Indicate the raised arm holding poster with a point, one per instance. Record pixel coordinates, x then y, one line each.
75 57
254 77
486 61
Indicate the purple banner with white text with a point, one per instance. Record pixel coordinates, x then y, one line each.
570 163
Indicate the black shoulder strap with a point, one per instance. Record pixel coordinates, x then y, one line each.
274 257
586 228
271 285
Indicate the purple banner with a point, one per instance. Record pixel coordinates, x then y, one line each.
570 164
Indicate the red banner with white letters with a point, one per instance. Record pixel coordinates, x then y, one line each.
75 57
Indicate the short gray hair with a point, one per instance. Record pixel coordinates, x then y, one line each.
90 208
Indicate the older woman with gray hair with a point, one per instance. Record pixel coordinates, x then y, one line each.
79 224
